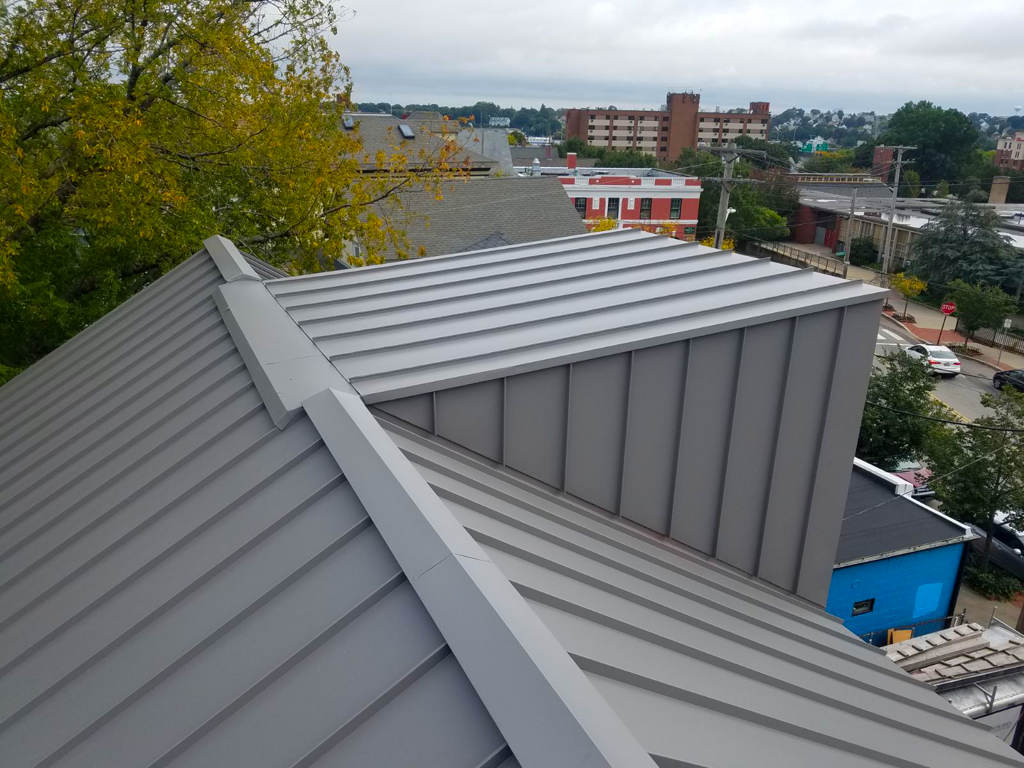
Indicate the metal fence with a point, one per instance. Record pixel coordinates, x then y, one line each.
787 254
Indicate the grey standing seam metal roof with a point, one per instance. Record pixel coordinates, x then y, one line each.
183 583
707 666
877 523
197 570
482 213
394 332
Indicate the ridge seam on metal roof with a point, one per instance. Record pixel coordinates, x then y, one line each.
543 704
285 365
538 302
229 260
373 269
651 258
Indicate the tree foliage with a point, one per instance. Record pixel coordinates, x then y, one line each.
611 158
131 131
962 242
980 306
888 437
911 287
839 161
862 252
980 472
944 138
910 183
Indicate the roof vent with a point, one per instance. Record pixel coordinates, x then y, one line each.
348 123
406 130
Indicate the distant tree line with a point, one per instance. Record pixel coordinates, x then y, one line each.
531 121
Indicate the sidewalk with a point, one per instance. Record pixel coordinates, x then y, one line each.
928 321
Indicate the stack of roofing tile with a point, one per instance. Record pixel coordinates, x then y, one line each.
955 652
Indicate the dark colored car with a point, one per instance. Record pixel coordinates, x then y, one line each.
1007 548
1013 379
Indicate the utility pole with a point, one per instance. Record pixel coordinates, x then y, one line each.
888 247
849 228
730 153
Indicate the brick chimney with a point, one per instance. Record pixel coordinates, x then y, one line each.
570 161
1000 187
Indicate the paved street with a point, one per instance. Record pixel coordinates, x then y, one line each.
961 393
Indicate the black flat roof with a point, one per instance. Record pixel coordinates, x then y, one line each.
877 522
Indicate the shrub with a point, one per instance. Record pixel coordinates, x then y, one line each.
993 584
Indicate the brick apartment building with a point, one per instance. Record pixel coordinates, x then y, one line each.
637 198
666 132
1010 152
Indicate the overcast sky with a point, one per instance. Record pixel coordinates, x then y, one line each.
865 55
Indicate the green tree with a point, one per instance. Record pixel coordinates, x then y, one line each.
980 472
888 437
942 189
779 155
962 242
864 156
131 131
944 138
980 306
517 138
911 287
862 251
839 161
910 183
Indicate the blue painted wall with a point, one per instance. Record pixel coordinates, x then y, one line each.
907 589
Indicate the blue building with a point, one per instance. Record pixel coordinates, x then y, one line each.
898 561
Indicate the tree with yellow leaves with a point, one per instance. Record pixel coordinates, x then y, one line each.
131 130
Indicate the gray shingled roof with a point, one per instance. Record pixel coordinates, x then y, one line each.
215 554
380 133
482 213
878 522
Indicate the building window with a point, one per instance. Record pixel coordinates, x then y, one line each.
581 206
863 606
676 209
645 208
613 207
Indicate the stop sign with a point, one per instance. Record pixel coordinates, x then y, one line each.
948 308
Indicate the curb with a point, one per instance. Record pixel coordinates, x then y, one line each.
981 360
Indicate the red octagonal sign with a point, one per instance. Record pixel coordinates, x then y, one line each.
948 308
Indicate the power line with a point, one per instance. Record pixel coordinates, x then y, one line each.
932 478
951 422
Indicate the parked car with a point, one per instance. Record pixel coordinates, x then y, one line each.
1013 379
939 359
917 474
1007 550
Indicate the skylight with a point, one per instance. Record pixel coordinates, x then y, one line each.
406 130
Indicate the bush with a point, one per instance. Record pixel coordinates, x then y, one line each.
993 584
862 252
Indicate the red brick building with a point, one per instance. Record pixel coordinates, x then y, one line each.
645 198
666 132
1010 152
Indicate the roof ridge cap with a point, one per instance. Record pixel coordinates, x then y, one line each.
544 705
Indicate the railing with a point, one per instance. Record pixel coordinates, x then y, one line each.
785 254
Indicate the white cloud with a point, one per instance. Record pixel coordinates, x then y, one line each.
867 55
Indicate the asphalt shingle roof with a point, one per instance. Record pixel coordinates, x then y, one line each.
485 212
